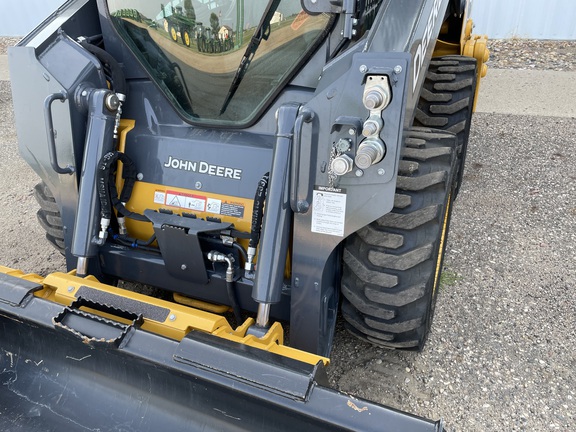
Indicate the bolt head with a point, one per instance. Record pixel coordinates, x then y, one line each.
172 317
359 173
363 69
140 176
112 102
302 206
183 267
397 69
352 131
70 288
198 185
381 171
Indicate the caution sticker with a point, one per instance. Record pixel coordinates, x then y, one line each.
328 210
160 197
214 205
187 201
200 203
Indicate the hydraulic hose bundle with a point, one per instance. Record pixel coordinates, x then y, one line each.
257 215
108 194
115 73
110 199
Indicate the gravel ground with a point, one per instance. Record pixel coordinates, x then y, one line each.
532 54
501 352
5 42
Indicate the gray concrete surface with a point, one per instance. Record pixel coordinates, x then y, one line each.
501 353
528 92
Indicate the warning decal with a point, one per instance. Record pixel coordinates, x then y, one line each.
200 203
187 201
328 210
214 205
160 197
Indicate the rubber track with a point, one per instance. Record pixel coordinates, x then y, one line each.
49 216
447 100
389 265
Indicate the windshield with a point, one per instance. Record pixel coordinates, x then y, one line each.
219 61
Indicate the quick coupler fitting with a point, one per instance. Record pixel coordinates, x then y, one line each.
121 99
370 151
216 256
104 224
249 265
122 225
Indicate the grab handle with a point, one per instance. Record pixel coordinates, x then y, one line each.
299 206
50 133
95 330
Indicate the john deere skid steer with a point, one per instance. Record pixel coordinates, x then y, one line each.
302 167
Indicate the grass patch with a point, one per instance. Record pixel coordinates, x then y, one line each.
449 278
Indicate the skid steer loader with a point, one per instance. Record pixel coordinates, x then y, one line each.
307 169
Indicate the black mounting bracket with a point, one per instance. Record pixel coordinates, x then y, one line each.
179 244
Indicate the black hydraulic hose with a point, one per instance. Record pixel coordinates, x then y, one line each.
258 211
107 188
118 79
148 242
102 178
234 301
134 243
240 250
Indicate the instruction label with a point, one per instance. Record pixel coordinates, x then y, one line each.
328 210
200 203
187 201
232 209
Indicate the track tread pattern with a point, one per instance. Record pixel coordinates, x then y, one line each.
375 237
447 100
390 265
409 221
49 216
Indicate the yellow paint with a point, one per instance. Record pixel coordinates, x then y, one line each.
143 198
470 45
476 47
62 288
441 246
199 304
443 48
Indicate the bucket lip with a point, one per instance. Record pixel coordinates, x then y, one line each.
166 384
